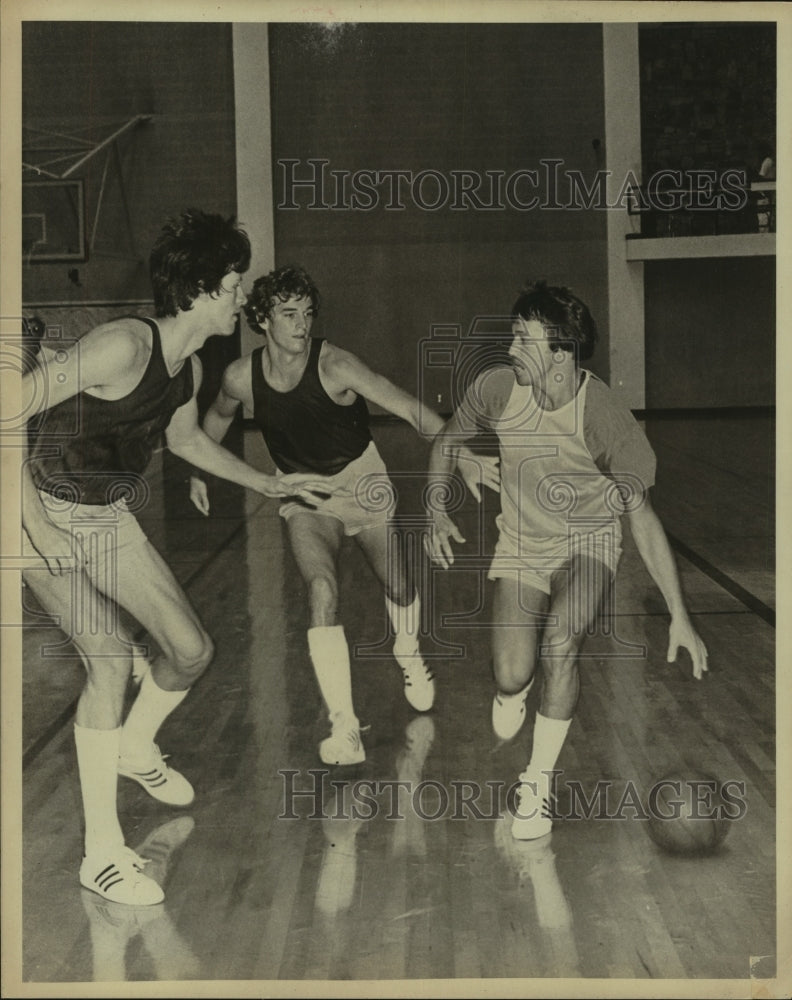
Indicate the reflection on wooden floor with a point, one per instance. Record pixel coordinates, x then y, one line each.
283 870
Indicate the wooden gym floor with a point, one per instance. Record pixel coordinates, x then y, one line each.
252 895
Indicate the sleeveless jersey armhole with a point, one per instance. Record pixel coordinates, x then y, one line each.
495 388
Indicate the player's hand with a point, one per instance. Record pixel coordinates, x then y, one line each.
682 633
199 494
438 544
306 486
59 549
478 470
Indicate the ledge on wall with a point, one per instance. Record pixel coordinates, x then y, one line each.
681 247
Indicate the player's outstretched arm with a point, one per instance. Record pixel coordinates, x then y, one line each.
478 470
659 560
190 442
442 462
347 371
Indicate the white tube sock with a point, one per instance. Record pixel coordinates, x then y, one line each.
548 739
330 657
406 621
150 709
97 763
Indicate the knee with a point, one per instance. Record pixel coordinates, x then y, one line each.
191 658
512 672
561 645
560 662
106 660
323 595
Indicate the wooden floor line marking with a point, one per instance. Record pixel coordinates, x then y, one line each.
750 600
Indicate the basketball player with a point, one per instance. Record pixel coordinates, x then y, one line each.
573 459
308 397
108 400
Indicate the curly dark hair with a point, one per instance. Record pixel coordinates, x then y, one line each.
283 283
568 321
192 254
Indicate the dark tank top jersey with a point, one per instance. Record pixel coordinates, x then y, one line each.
305 430
91 450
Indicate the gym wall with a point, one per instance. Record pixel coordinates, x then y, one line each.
420 97
710 333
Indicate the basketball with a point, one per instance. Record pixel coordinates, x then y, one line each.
687 813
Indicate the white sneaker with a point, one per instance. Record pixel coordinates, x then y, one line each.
533 816
118 876
419 685
508 713
343 745
159 780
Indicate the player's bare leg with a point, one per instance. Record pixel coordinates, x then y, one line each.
384 549
316 542
577 593
519 613
145 585
109 868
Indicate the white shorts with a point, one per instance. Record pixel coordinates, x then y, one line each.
534 560
365 498
107 533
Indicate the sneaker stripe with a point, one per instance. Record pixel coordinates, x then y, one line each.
105 874
122 881
160 781
104 878
153 778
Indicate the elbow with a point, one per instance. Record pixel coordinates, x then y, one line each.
180 447
423 420
421 424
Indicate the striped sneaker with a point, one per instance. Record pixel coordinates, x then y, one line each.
159 780
118 876
533 815
343 745
419 685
